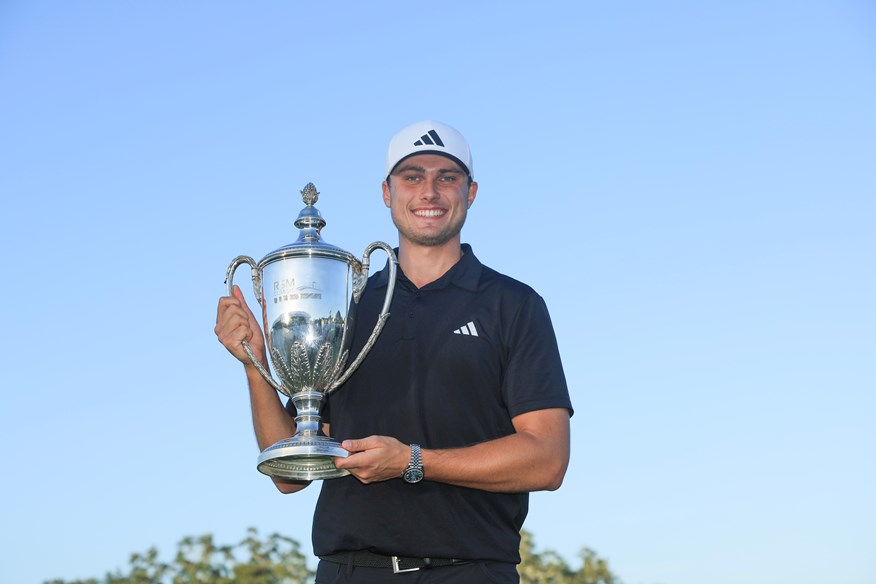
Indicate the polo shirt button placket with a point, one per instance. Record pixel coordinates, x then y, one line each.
416 302
410 322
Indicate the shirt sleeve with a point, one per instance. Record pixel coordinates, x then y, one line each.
534 378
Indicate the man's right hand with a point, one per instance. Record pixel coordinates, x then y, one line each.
236 323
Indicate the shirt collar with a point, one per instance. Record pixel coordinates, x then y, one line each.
465 274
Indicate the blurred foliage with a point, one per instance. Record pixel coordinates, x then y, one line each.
199 560
278 560
549 568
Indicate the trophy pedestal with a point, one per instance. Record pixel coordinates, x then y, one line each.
302 458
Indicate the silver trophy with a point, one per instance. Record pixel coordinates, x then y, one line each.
308 291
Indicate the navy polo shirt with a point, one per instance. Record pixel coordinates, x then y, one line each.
457 360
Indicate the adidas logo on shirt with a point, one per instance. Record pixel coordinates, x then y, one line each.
431 138
467 329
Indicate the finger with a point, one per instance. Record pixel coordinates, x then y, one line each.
361 444
235 305
352 446
356 461
230 316
238 293
225 302
232 336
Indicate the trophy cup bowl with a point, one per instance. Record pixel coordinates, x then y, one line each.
308 292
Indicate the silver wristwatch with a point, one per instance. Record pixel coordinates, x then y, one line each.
414 472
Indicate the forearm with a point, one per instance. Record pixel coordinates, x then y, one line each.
491 466
270 419
235 324
534 458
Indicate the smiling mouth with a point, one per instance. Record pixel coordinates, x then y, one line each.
429 212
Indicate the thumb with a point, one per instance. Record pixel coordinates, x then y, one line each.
238 293
354 445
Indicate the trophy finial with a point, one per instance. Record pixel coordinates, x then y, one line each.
309 220
309 195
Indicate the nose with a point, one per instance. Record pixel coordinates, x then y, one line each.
431 191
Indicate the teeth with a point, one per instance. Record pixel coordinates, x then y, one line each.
429 213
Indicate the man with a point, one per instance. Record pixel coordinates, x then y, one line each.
459 410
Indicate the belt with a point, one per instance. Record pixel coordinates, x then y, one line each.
366 559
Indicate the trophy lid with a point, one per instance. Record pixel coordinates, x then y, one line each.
309 242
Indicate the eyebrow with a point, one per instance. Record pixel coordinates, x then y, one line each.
417 168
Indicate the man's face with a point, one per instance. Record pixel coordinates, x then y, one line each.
429 196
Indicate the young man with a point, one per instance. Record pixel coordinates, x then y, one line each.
459 410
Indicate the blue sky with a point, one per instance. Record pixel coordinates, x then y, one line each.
690 185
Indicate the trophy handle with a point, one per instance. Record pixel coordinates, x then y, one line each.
359 282
257 290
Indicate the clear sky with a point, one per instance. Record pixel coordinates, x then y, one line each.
690 185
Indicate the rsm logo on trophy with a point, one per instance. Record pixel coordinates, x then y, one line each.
314 289
287 290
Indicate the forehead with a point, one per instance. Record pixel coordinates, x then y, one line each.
428 162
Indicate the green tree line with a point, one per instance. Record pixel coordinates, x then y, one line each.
277 559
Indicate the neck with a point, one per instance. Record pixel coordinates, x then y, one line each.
423 265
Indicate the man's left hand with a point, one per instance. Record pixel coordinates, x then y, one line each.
375 459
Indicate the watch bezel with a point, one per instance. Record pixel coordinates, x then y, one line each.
413 475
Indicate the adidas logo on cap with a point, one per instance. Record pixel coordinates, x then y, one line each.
429 137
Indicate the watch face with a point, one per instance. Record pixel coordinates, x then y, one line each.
413 475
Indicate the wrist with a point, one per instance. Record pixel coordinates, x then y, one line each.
252 372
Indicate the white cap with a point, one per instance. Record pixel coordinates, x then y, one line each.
429 137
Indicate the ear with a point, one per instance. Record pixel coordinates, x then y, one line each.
387 196
472 193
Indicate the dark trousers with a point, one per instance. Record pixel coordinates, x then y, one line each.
470 573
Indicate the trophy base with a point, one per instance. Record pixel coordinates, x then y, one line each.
302 458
